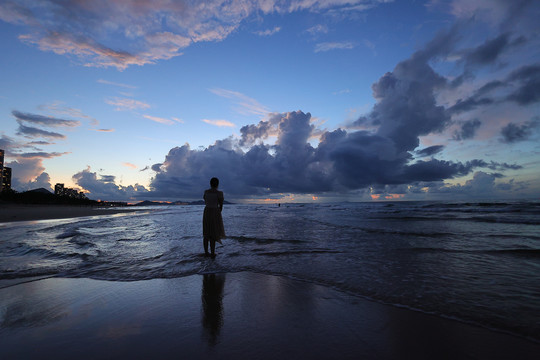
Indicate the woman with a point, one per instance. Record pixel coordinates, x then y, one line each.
212 221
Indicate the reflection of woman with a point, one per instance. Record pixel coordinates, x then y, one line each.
212 304
213 229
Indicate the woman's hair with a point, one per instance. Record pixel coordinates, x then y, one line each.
214 182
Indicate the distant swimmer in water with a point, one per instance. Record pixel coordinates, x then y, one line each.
213 229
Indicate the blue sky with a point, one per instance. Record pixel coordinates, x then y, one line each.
282 100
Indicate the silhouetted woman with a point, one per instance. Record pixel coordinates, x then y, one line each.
213 229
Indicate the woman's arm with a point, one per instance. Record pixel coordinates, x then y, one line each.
220 200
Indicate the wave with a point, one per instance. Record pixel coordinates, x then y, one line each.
522 252
264 241
297 252
101 231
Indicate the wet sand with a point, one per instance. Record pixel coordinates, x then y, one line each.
228 316
21 212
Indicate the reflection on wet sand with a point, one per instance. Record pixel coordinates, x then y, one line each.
212 306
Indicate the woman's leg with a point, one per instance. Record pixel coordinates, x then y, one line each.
213 246
205 242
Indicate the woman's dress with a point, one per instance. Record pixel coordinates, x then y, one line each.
212 221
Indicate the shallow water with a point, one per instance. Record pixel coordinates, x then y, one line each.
476 262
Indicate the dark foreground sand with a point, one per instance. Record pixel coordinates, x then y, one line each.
20 212
228 316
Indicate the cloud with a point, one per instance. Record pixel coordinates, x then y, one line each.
528 81
149 31
468 129
251 133
83 47
244 104
488 52
129 165
482 185
317 29
33 132
28 174
44 120
58 108
105 187
521 86
39 155
430 151
513 133
219 122
107 178
159 119
328 46
503 14
103 130
40 142
7 142
123 104
106 82
340 162
269 32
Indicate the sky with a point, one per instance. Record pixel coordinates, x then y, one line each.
282 100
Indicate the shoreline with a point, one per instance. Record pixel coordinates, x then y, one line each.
10 212
229 315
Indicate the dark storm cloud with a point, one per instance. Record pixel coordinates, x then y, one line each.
477 99
44 120
430 151
107 178
488 52
40 154
40 142
35 132
468 129
251 133
41 181
523 88
527 79
343 160
469 104
488 87
6 142
481 185
513 133
105 189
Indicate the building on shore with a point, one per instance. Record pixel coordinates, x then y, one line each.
1 170
5 174
6 178
60 190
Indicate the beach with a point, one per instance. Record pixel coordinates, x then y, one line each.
371 281
228 315
28 212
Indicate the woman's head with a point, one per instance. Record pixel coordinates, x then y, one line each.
214 182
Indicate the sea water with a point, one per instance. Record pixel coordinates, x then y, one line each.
474 262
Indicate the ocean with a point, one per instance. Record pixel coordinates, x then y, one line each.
474 262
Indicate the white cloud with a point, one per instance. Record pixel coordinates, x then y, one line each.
106 82
129 165
244 104
219 122
318 29
269 32
127 104
159 120
83 29
327 46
